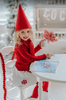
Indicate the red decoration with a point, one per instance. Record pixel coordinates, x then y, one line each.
49 36
22 21
4 77
24 82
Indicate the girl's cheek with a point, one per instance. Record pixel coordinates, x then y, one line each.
20 36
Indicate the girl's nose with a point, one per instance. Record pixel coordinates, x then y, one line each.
26 34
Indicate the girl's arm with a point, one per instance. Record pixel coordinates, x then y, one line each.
37 48
28 56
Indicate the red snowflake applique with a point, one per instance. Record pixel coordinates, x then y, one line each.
49 36
24 82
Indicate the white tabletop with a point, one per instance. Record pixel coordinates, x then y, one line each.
59 76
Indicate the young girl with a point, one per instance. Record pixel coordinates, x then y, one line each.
25 55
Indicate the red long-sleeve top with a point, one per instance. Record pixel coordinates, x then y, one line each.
25 55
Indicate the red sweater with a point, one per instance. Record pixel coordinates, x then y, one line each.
25 55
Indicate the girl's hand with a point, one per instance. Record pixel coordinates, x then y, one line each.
49 55
41 42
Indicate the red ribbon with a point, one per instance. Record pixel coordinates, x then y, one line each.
49 36
4 77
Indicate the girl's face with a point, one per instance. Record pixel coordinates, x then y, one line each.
24 34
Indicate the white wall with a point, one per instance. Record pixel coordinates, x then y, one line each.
58 47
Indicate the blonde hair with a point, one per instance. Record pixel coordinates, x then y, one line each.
17 39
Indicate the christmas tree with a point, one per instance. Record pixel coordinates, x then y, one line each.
12 6
7 39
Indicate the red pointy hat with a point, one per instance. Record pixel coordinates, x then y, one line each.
22 21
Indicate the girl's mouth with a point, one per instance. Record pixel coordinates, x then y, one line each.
25 37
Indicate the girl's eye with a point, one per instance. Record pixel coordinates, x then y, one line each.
28 31
22 32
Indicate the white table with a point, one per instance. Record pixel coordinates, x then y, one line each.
59 76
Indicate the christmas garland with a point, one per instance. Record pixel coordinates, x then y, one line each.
4 77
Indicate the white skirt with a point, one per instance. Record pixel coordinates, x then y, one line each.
23 78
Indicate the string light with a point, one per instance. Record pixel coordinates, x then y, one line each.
35 29
48 19
35 23
11 41
56 38
13 34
